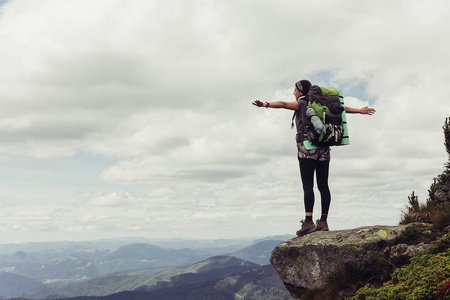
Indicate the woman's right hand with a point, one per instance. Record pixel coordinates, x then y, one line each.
258 103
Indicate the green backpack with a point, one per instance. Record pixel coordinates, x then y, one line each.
327 105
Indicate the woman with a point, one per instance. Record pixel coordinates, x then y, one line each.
310 161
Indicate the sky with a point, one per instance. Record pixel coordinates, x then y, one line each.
134 118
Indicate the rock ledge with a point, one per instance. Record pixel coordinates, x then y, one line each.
304 263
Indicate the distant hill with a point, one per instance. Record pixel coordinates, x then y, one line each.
258 253
210 269
261 283
173 243
62 267
12 284
150 279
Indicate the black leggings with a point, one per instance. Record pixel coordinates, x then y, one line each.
307 167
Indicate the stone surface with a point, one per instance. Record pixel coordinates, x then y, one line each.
403 250
446 186
304 263
441 195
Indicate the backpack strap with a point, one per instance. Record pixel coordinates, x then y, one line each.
301 115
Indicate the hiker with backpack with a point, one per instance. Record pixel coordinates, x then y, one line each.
318 114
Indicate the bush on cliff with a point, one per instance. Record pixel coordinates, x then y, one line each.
426 277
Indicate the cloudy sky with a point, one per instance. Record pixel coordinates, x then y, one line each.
134 118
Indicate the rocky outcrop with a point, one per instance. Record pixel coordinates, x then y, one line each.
304 263
443 194
407 251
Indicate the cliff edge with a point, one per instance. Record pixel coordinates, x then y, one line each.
305 263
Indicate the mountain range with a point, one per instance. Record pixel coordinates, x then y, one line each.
70 269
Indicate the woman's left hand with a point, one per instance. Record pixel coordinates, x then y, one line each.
367 110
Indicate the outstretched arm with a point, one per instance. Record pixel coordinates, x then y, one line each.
364 110
277 104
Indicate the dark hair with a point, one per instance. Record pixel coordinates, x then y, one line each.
303 86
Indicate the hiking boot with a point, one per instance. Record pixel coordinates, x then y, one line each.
321 226
307 227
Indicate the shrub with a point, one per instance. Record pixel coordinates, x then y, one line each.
416 212
438 182
441 245
441 217
426 277
446 129
412 235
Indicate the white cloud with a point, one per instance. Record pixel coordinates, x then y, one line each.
163 89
